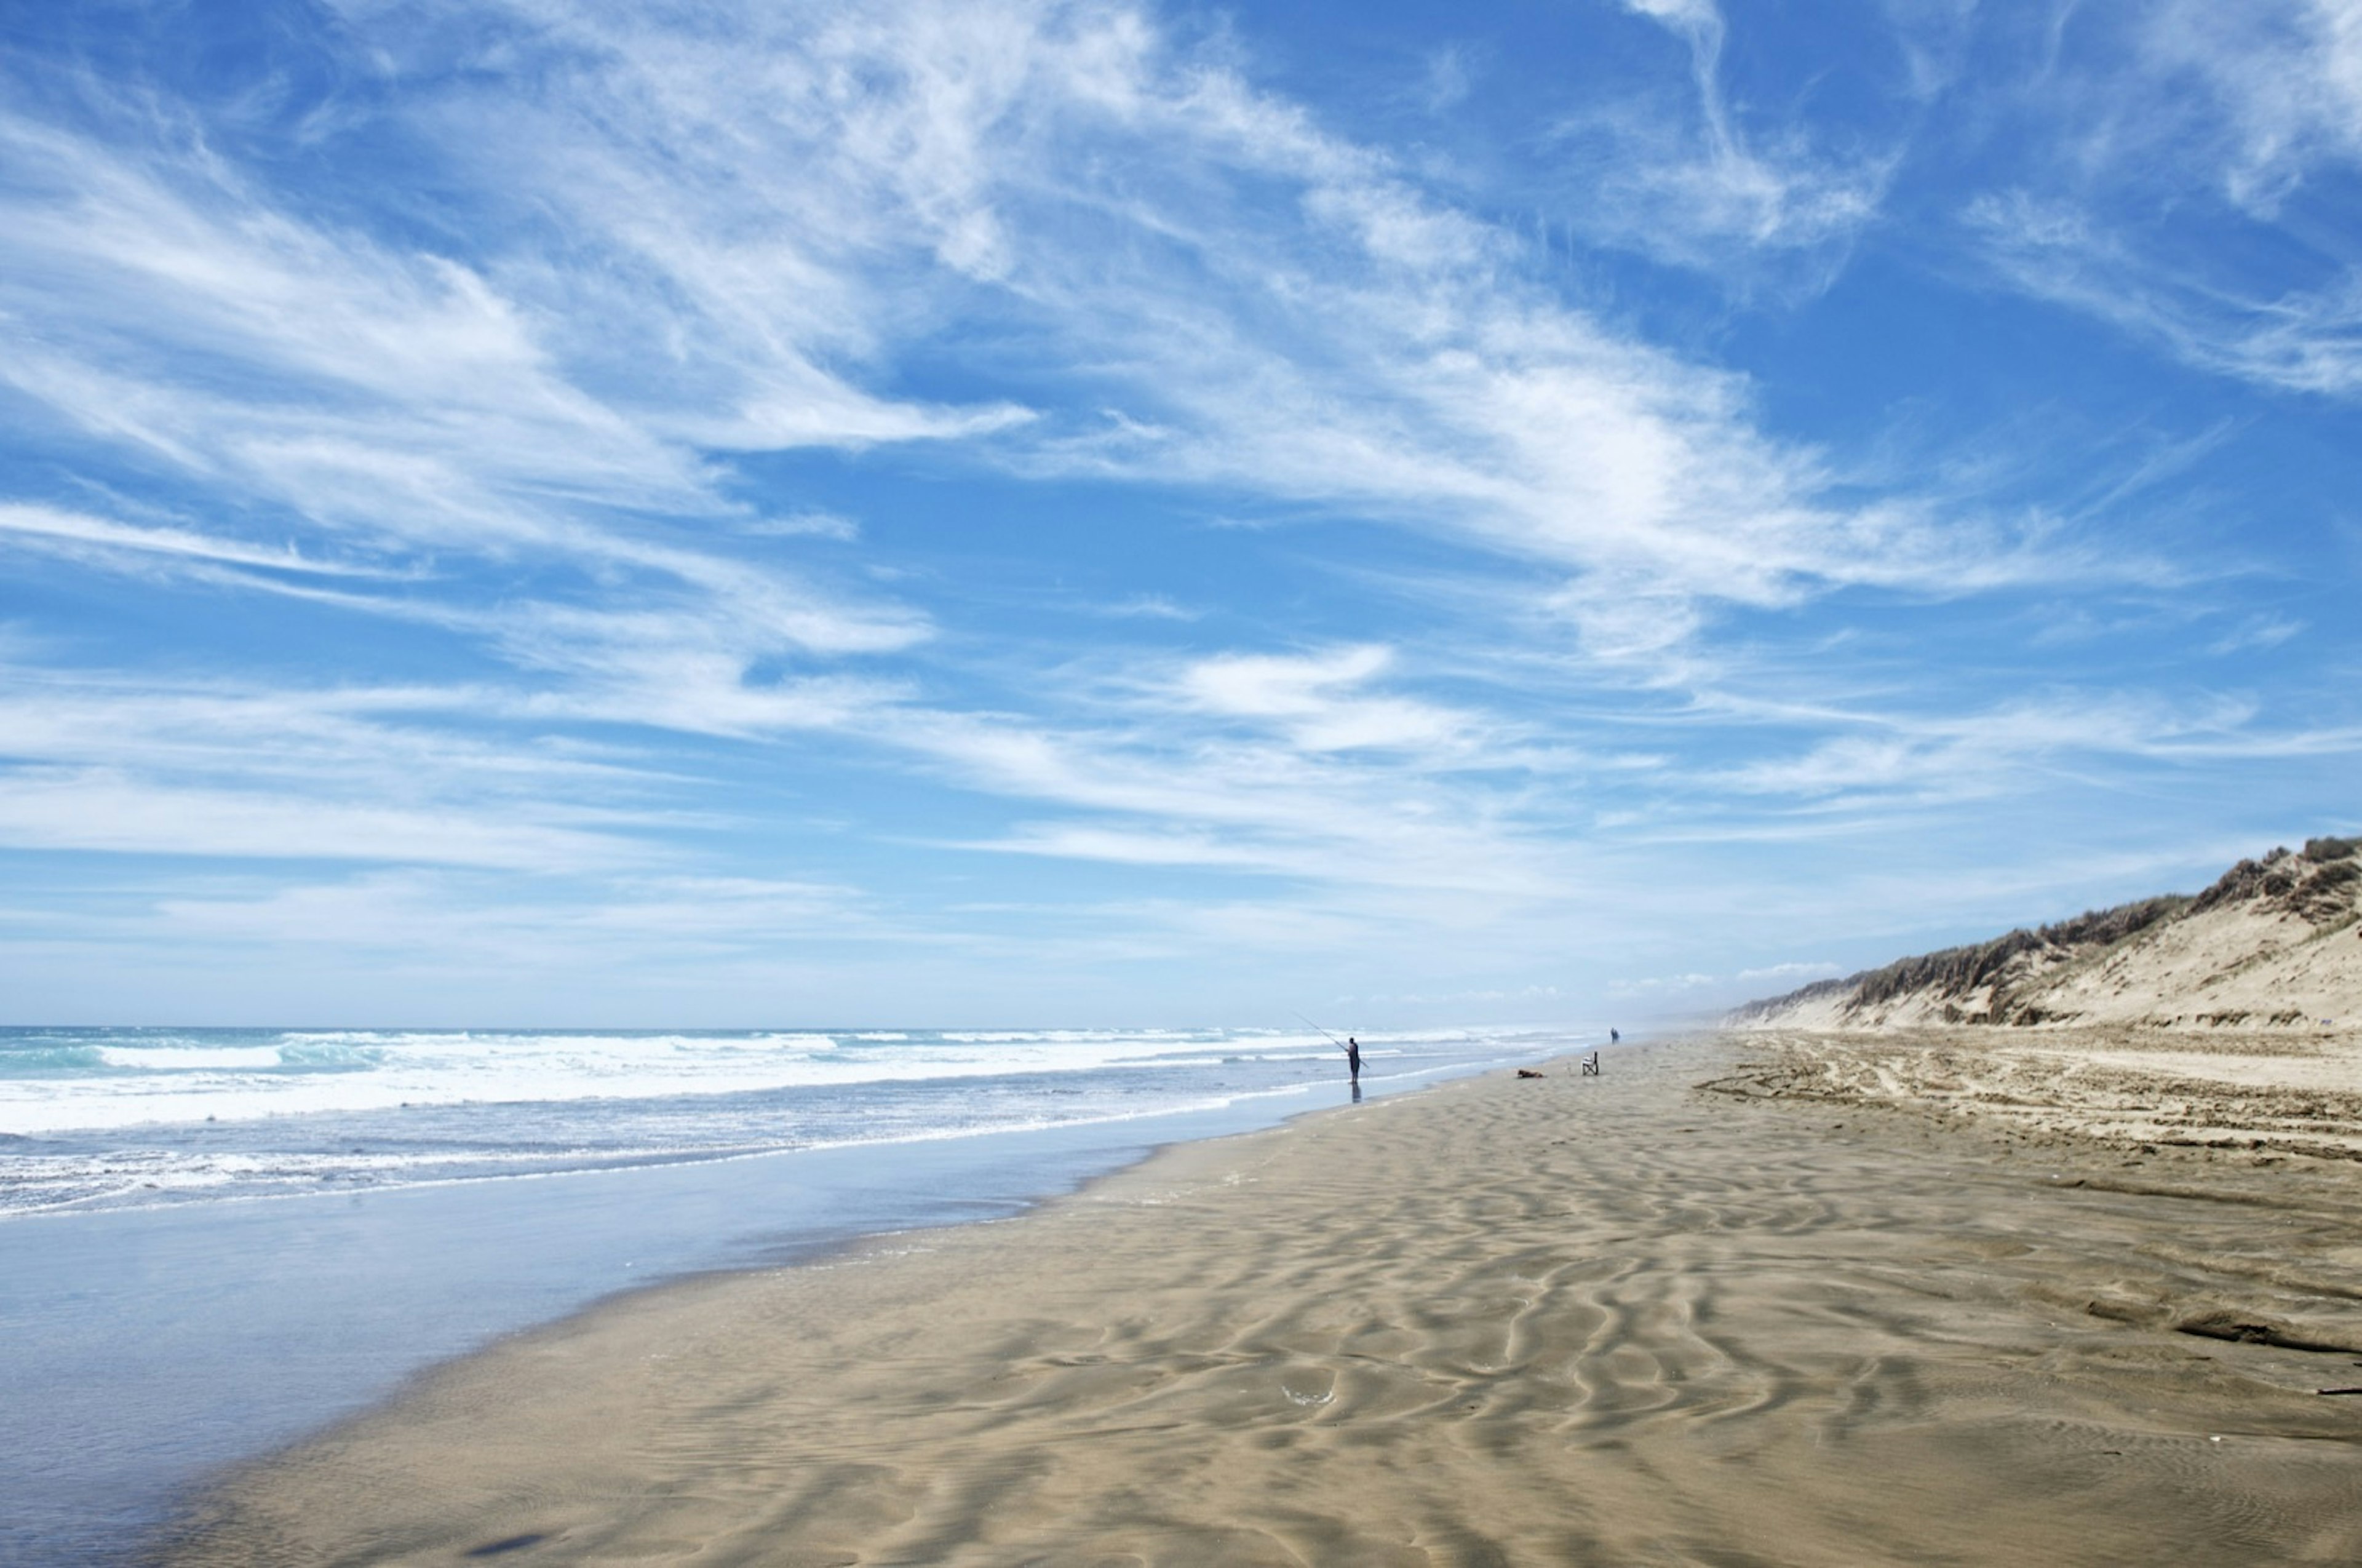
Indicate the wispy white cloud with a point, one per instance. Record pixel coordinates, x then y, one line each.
770 206
2286 77
535 429
1791 973
227 728
1548 996
386 393
1295 318
101 538
807 524
1965 756
399 401
1697 989
1450 74
462 917
373 774
1293 314
1664 984
1147 607
2258 632
1317 701
81 809
1269 806
2303 339
1760 202
2174 141
1788 197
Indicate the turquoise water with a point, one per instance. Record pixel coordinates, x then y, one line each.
179 1293
114 1118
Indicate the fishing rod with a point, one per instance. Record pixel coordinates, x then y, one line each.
1352 1054
1332 1039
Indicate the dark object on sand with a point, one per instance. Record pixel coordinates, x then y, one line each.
2339 1390
1591 1066
1528 1073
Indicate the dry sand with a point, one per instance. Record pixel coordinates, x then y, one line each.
1614 1320
2284 1092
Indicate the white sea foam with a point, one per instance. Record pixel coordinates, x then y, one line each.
318 1071
188 1059
115 1118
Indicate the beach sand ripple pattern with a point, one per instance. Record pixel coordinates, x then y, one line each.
1616 1319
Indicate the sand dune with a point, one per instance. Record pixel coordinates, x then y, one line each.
2275 943
1612 1319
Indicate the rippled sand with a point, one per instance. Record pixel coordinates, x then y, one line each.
1612 1319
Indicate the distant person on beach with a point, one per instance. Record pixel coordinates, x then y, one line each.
1613 1037
1353 1057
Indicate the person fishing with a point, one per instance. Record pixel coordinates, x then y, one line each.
1353 1049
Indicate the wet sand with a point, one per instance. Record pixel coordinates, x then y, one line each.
1617 1320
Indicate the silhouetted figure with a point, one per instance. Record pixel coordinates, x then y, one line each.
1353 1058
1613 1037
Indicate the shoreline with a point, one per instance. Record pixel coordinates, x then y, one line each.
852 1246
1581 1318
154 1349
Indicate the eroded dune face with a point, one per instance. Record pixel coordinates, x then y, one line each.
2275 944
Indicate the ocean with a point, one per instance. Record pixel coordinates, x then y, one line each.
215 1240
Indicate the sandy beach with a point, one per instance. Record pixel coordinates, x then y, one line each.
2273 1093
1615 1320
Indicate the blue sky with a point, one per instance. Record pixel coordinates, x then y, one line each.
992 512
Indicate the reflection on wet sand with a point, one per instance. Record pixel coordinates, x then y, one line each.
1585 1319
